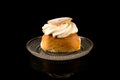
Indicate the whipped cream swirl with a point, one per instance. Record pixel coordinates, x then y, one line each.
60 31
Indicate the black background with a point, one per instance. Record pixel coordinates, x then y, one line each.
86 22
26 23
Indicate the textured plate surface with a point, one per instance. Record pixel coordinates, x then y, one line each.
33 46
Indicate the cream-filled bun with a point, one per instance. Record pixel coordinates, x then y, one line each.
60 35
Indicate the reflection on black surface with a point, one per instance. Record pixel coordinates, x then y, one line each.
74 69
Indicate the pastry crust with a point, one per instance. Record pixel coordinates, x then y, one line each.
70 43
58 21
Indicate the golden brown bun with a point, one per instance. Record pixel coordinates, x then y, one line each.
68 44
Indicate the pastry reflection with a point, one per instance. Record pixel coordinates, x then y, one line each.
58 69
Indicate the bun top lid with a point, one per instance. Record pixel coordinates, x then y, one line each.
60 27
